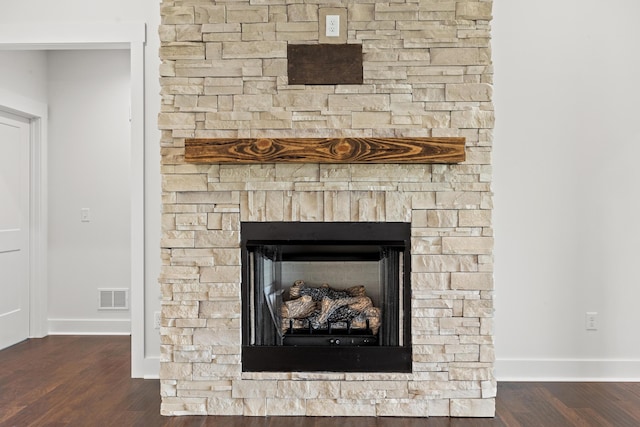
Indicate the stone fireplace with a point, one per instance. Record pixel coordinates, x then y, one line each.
426 73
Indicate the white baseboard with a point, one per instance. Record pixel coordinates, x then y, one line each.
89 326
567 369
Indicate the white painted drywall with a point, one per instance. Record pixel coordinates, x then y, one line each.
566 181
89 141
24 73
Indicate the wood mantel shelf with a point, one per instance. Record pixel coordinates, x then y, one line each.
325 150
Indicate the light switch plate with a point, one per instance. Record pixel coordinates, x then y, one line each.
85 215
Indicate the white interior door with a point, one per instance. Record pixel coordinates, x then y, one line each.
14 228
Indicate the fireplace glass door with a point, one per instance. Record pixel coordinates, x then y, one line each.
326 297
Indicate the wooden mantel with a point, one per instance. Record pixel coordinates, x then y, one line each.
325 150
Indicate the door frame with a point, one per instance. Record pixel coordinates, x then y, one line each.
36 113
90 36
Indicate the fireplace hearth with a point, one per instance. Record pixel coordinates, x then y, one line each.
326 297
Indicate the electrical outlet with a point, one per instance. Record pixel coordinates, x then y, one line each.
591 321
332 28
156 320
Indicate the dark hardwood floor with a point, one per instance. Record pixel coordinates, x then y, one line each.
84 381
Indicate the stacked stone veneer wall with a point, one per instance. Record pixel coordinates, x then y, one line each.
427 72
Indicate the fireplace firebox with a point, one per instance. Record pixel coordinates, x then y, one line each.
320 296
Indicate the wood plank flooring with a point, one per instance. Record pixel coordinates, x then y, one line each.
84 381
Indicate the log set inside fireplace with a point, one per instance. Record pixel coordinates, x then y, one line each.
326 297
323 315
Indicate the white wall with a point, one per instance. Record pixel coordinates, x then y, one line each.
89 162
566 188
24 73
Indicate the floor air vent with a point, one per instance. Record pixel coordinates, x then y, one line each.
113 299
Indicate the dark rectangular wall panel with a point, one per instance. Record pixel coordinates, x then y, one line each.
324 64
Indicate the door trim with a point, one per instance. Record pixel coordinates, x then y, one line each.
36 113
88 35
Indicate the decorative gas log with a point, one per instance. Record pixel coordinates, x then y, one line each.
316 307
298 308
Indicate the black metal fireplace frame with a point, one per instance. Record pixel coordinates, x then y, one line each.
300 358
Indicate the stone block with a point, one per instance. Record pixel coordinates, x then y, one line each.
174 15
467 245
473 407
388 389
472 119
474 218
302 12
426 245
176 121
184 406
374 102
322 390
176 371
209 14
226 257
472 281
396 12
340 408
469 92
441 218
177 239
182 51
474 10
254 49
478 308
192 355
487 354
219 309
255 407
215 371
458 199
194 182
398 207
305 101
337 206
210 337
361 12
426 282
167 33
246 14
444 263
225 406
439 407
370 119
254 389
220 274
489 389
458 56
286 407
188 33
178 272
436 120
403 408
217 239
